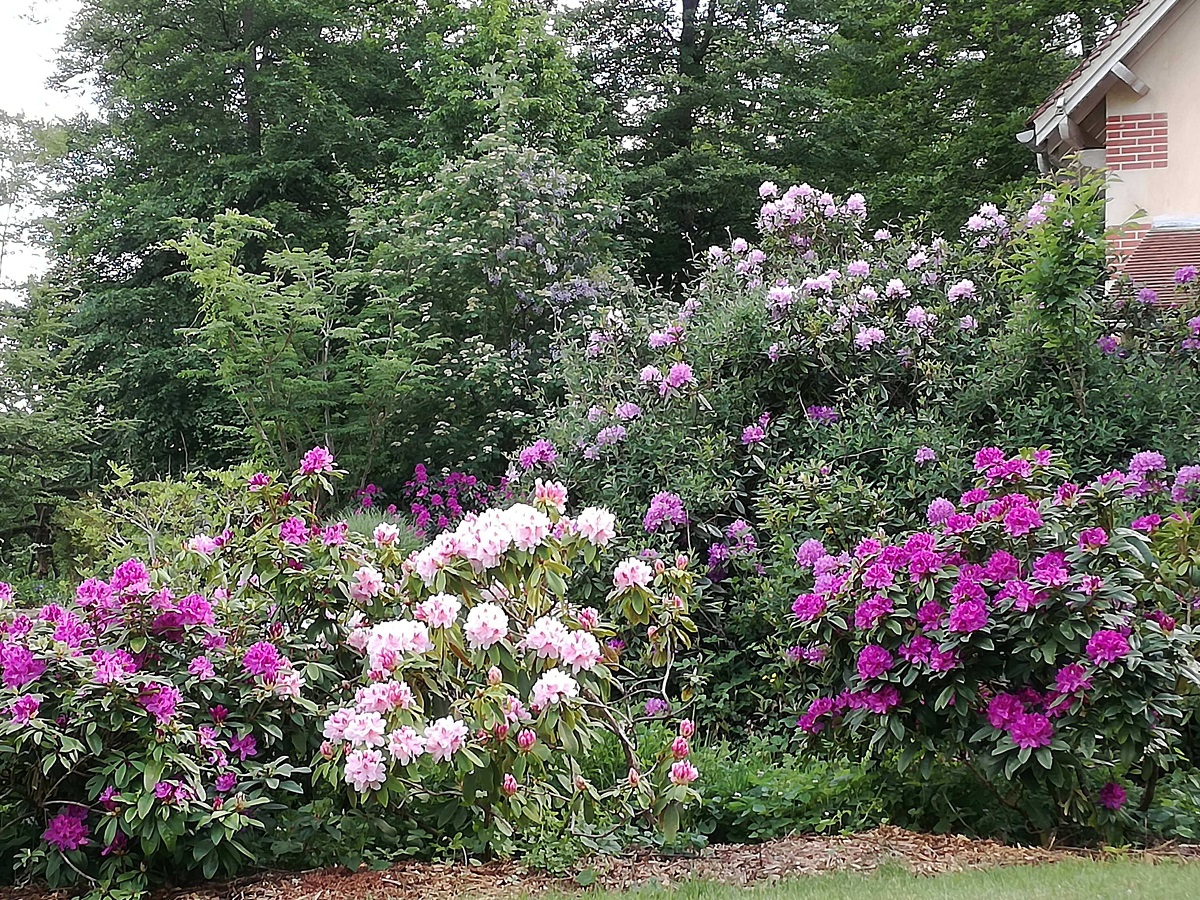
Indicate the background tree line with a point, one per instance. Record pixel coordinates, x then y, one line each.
427 194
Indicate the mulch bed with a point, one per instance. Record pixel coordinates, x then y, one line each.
737 864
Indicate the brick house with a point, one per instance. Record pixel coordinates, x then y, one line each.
1132 106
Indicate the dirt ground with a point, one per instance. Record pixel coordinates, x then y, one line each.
731 863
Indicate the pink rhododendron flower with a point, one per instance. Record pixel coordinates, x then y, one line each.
390 640
546 637
383 697
1072 679
367 582
405 745
365 729
679 748
632 573
365 770
202 544
444 738
683 772
925 455
335 725
1092 538
552 687
439 611
487 624
581 651
550 493
598 526
385 534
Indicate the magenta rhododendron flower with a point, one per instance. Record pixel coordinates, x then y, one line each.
1092 538
873 661
160 700
67 830
1031 730
968 616
665 509
1020 520
293 531
316 460
807 607
263 660
1112 796
1107 646
24 708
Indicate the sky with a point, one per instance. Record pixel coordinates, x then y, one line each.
30 34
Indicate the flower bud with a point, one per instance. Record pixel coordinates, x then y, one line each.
681 561
687 728
526 739
651 631
495 676
659 567
580 783
509 786
501 731
634 778
327 750
679 748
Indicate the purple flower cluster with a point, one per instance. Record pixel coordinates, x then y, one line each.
438 503
666 509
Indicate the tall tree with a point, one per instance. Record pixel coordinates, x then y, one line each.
274 107
916 103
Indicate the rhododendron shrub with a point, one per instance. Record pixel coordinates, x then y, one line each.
143 726
823 377
156 722
485 681
1025 632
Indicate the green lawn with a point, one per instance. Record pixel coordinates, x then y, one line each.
1060 881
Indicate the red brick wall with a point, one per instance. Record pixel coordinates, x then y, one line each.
1123 242
1136 141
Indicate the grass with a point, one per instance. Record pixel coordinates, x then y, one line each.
1058 881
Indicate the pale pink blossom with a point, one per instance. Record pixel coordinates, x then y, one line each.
631 573
552 687
487 624
444 738
365 770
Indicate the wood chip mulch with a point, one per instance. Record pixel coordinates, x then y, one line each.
736 864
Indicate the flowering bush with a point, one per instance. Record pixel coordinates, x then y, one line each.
827 378
440 502
155 722
483 681
1022 632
